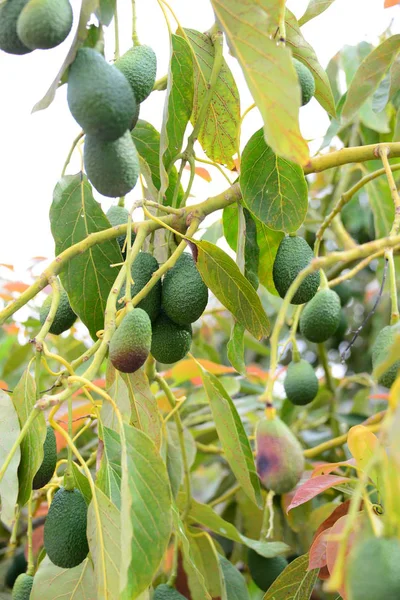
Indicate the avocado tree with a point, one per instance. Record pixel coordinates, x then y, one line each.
208 408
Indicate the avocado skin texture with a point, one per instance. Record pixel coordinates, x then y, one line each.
135 117
112 167
279 456
166 592
294 255
373 570
184 293
18 566
118 215
301 383
9 40
99 97
344 292
321 317
46 469
263 570
65 538
65 316
44 23
22 587
170 341
130 344
306 81
380 352
139 65
143 268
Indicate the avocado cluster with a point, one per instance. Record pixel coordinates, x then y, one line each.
27 25
161 322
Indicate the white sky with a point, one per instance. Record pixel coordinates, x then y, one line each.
34 147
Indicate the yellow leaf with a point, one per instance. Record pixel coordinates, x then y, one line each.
394 394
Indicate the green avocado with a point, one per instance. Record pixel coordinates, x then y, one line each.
139 65
44 23
263 570
306 81
279 456
64 317
46 469
22 587
17 566
301 383
294 255
65 538
112 167
130 344
142 270
380 353
135 117
118 215
373 570
184 293
170 341
99 97
343 290
166 592
9 40
321 317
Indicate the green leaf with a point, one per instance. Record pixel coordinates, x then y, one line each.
82 483
382 206
119 393
264 63
196 582
145 414
294 583
110 472
222 276
251 250
232 436
235 348
87 8
24 399
381 95
235 583
87 278
106 11
369 74
207 559
305 53
103 533
179 103
9 432
51 582
147 142
174 455
145 513
315 8
219 135
204 515
273 189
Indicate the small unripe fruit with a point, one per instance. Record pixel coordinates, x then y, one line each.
22 587
321 317
130 344
46 469
294 255
301 383
380 353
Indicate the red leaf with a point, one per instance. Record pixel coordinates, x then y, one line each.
317 555
327 468
332 546
339 512
7 266
16 286
201 172
315 486
389 3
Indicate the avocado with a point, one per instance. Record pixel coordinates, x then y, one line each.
170 341
139 65
99 97
65 538
130 344
321 317
112 167
44 23
46 469
9 40
380 353
306 81
373 570
294 255
301 383
17 566
118 215
341 331
22 587
263 570
135 117
142 270
343 290
64 317
166 592
279 456
184 293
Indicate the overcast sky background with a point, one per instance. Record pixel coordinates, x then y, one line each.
34 146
